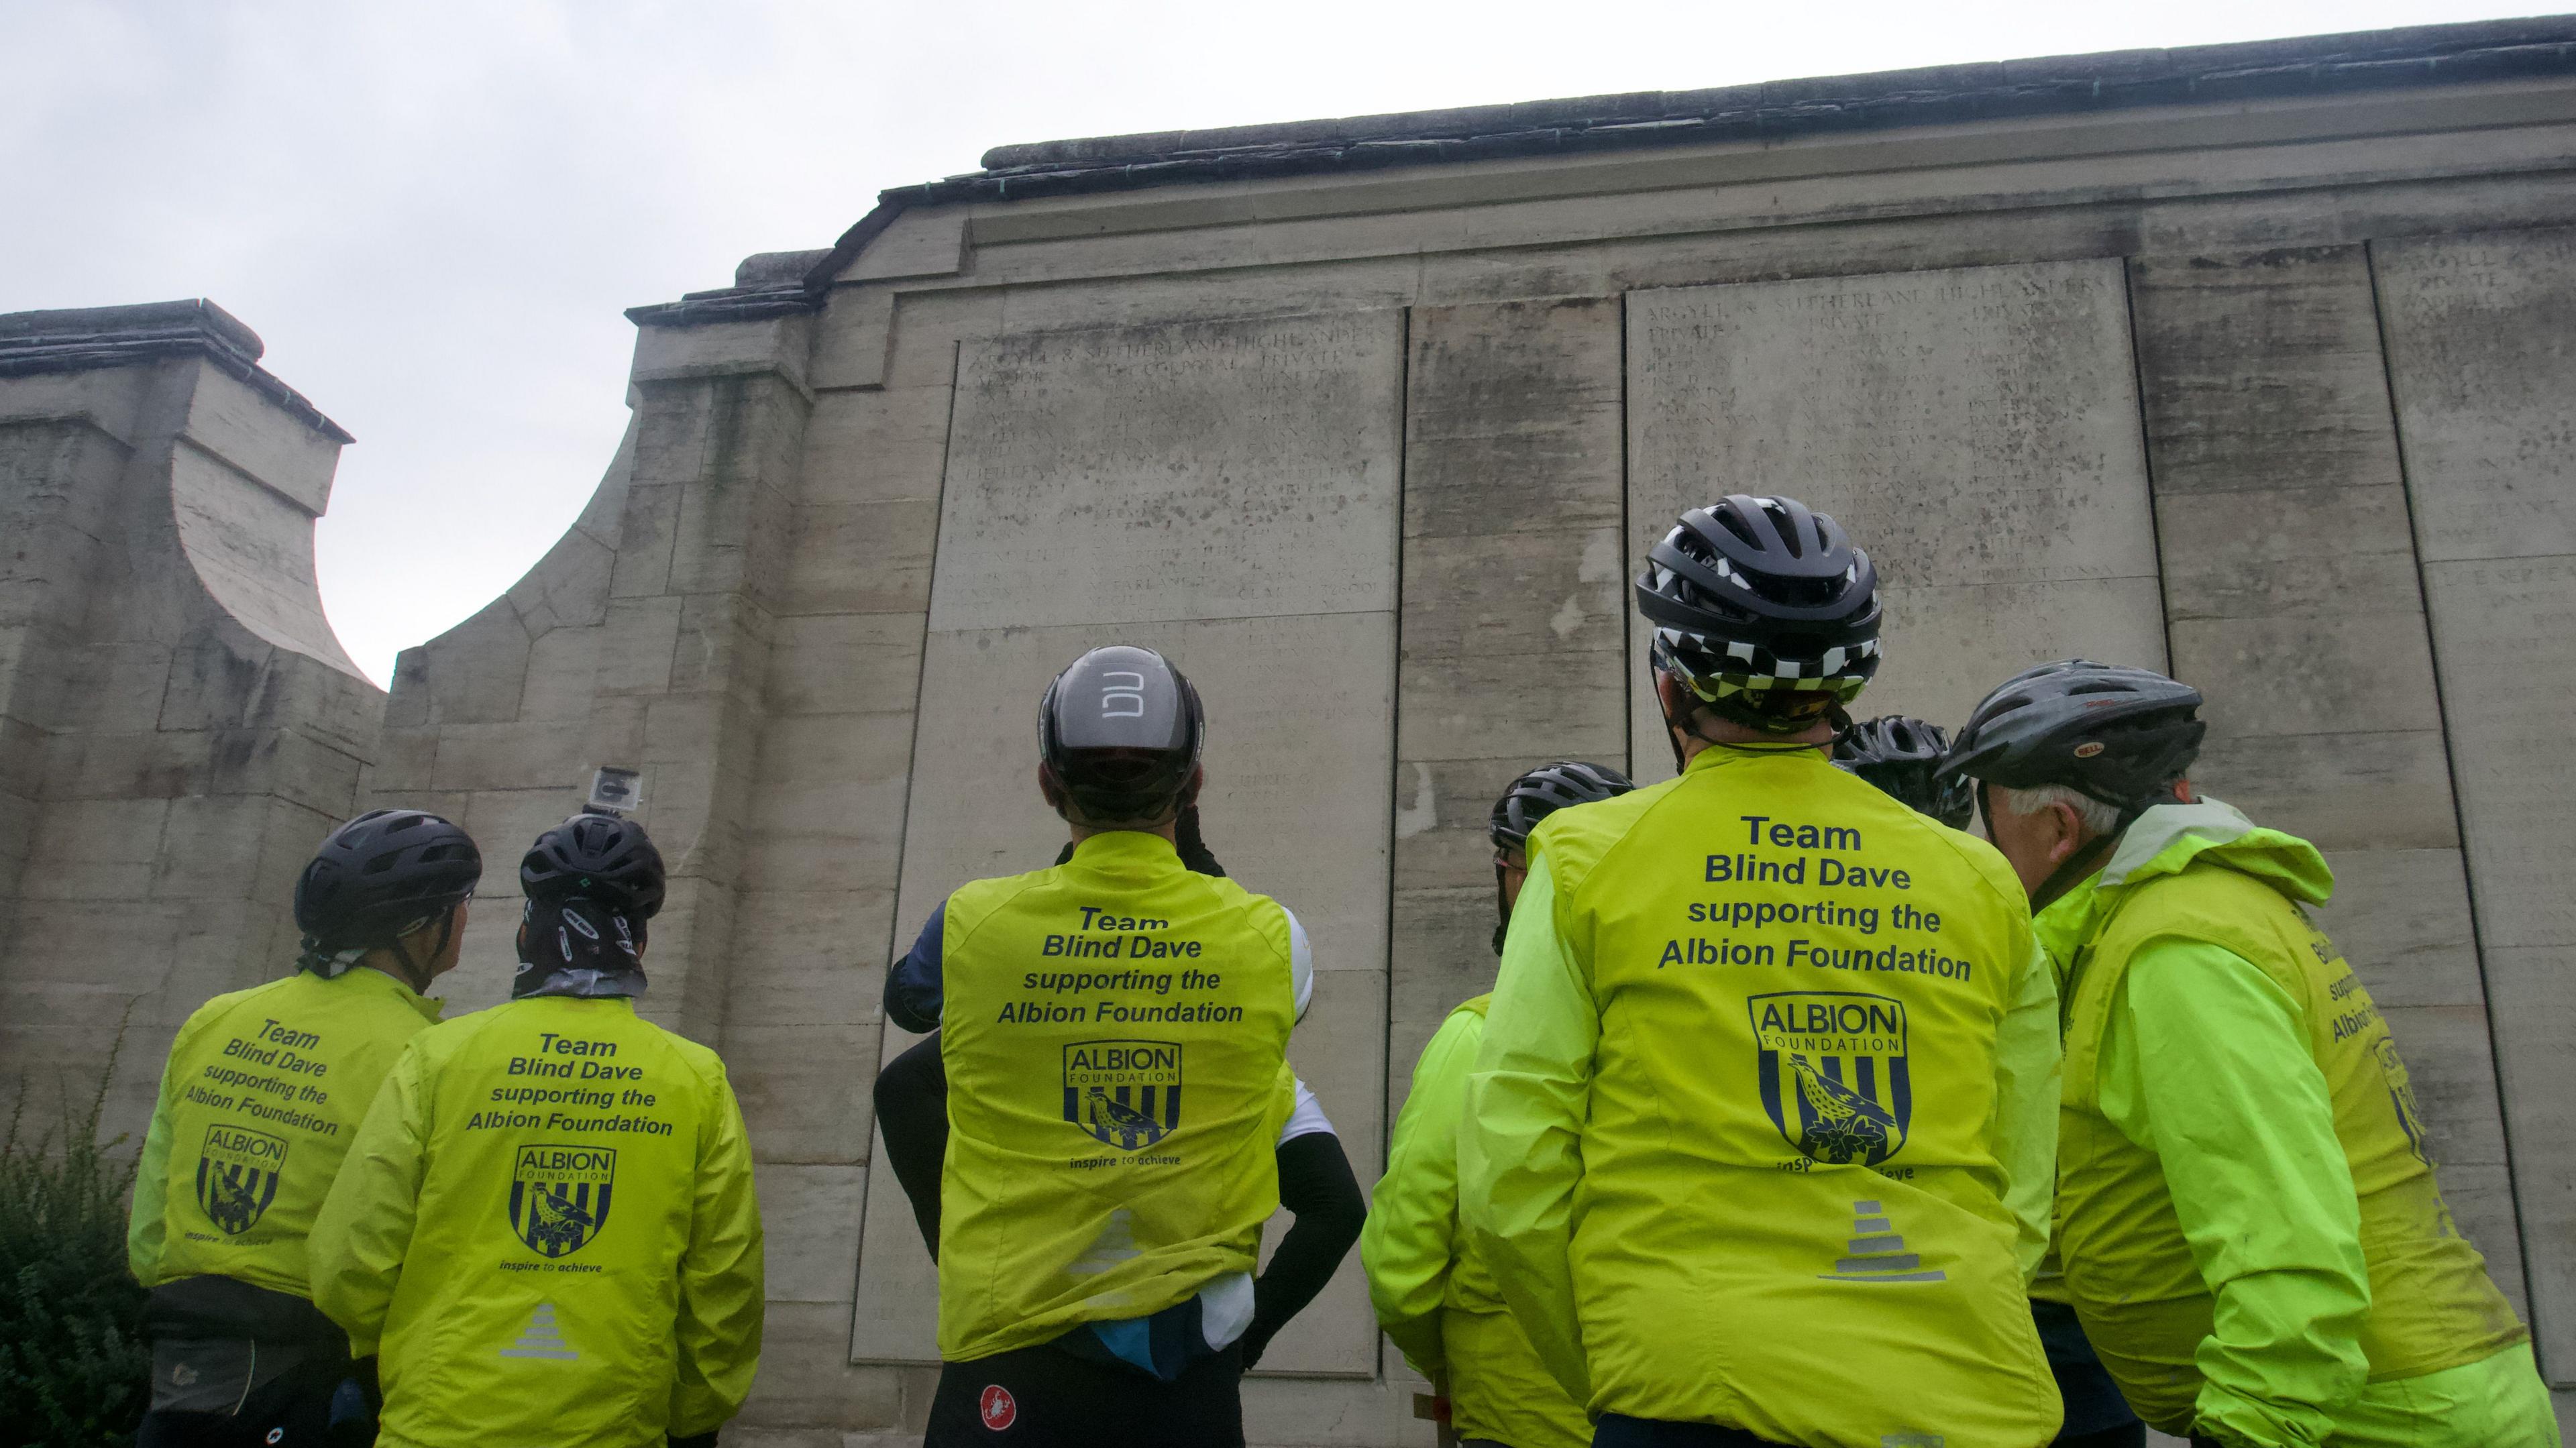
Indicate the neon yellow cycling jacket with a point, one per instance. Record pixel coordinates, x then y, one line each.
1736 1146
260 1100
1435 1300
2248 1216
547 1232
1115 1032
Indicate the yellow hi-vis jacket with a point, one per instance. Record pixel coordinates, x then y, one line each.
260 1100
1434 1298
2251 1228
1115 1031
548 1234
1736 1147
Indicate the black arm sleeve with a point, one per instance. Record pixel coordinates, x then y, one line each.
1317 1188
912 1112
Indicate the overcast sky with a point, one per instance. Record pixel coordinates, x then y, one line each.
434 214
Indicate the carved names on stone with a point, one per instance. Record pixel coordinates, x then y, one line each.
1975 430
1198 470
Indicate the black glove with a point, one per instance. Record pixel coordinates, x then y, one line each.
354 1406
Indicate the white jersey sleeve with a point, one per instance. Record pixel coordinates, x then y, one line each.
1301 962
1307 1119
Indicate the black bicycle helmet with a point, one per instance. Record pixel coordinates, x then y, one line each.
1764 609
379 877
1545 790
2116 734
1120 730
1902 756
602 857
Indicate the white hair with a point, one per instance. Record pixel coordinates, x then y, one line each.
2098 817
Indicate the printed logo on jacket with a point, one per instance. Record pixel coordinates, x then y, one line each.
559 1196
237 1176
1833 1073
1126 1094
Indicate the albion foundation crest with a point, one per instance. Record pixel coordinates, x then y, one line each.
1833 1073
237 1176
559 1196
1125 1093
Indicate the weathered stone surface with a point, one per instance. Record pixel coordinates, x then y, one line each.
1208 470
2486 395
1515 615
1976 431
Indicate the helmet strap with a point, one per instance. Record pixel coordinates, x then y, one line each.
2072 872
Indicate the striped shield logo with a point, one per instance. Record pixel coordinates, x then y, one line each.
559 1196
1833 1073
237 1176
1126 1094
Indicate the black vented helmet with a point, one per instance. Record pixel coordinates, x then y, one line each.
382 875
1121 730
600 857
1902 757
1757 601
1545 790
2117 734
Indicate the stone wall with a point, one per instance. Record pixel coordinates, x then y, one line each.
2263 381
178 726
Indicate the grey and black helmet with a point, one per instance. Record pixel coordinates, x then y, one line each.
1902 756
1764 610
1545 790
377 878
2116 734
1120 730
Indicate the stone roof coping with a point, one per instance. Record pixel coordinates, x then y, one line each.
2315 65
79 339
1771 110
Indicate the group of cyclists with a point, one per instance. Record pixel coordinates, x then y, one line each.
1859 1087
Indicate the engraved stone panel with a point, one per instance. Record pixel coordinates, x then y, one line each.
1975 430
2485 387
1201 470
1227 493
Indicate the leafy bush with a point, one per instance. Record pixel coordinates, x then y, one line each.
75 1371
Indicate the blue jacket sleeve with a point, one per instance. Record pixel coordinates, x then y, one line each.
915 989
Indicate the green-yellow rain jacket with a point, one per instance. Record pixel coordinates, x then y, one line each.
260 1100
2250 1225
1736 1149
1433 1297
547 1231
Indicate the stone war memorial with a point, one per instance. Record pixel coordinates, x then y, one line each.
2249 362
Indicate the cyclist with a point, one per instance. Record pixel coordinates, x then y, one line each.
1755 1021
2248 1217
1121 1116
1433 1298
263 1091
547 1229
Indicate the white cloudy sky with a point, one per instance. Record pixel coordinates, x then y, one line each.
434 213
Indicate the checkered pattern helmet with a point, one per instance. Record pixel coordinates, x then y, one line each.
1763 609
1545 790
1900 756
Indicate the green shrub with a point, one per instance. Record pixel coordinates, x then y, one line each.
75 1370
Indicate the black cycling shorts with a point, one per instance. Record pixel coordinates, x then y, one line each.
1045 1397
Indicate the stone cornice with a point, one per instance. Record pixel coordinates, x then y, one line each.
82 339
